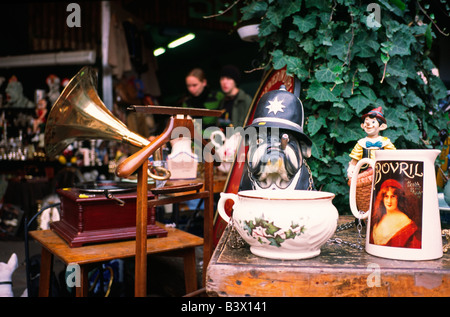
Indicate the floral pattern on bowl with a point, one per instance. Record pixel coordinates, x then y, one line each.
266 232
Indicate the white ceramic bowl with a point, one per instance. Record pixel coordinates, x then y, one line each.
282 224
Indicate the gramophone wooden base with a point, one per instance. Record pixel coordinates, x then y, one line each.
93 218
77 239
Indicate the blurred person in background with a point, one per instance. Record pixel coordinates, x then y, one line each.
236 102
201 96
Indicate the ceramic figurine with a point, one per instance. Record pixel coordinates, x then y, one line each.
41 116
6 272
53 83
226 148
14 95
277 158
373 123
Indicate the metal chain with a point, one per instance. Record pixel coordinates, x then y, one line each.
235 241
359 227
311 181
446 235
345 226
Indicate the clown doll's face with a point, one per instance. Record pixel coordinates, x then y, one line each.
372 127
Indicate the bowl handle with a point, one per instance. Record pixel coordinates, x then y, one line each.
221 204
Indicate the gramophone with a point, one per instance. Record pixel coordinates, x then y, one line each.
79 114
97 211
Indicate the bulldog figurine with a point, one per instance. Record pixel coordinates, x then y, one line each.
276 158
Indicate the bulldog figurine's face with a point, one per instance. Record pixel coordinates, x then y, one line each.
274 159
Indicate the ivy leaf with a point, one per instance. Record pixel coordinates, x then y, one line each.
365 46
358 103
394 83
393 134
401 42
278 59
320 93
308 45
343 160
273 14
271 229
348 132
293 64
428 36
253 10
266 28
295 35
413 135
346 114
378 103
437 87
332 186
394 116
290 234
291 7
368 92
277 13
323 5
325 74
301 73
367 77
340 47
318 141
334 170
412 100
399 4
304 24
314 124
249 226
395 67
277 241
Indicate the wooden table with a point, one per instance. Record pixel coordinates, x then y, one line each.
338 271
182 242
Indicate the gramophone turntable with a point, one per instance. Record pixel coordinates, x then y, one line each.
99 212
90 216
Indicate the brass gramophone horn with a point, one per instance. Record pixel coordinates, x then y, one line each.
79 114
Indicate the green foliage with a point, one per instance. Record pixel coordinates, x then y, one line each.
348 64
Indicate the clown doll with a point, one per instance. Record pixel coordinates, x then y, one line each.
373 123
